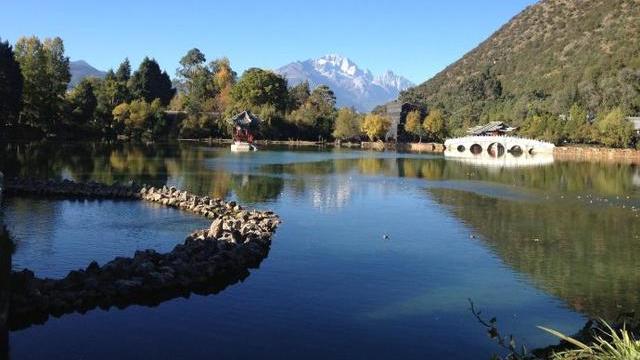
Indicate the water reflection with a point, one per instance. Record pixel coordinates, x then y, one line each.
636 178
508 159
560 177
586 256
252 189
334 195
182 164
177 164
6 251
573 231
103 162
569 227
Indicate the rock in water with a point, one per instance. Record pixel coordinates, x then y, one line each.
215 231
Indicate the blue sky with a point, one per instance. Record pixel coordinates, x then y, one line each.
411 37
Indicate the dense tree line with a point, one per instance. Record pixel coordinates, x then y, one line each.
34 75
146 103
609 128
90 107
33 80
480 99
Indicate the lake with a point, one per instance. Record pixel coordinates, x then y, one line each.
547 245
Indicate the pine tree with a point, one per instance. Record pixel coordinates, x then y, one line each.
123 74
11 83
83 102
149 83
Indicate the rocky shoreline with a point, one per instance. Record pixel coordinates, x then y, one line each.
206 262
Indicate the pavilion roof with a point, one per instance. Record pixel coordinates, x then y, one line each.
245 119
490 127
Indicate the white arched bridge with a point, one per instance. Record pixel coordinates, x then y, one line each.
506 150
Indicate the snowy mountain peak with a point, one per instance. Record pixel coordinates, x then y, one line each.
352 85
391 79
334 62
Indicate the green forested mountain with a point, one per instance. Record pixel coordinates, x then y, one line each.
552 55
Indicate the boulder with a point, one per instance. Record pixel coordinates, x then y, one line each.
215 230
126 287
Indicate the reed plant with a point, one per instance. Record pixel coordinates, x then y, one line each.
607 344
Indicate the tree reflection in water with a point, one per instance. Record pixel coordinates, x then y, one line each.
6 250
177 164
586 256
560 177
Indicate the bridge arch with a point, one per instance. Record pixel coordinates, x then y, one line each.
476 149
516 150
495 149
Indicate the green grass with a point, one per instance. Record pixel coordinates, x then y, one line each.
609 345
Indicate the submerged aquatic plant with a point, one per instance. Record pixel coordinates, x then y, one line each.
506 342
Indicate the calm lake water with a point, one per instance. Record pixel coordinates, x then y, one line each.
546 245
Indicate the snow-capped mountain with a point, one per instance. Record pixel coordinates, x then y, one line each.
352 85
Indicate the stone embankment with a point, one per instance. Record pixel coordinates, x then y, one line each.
597 154
413 147
206 262
263 142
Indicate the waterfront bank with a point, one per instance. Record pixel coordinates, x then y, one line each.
598 154
564 153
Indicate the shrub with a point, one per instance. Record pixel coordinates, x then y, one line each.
140 116
614 130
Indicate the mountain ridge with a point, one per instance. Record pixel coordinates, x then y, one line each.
81 69
552 54
353 86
